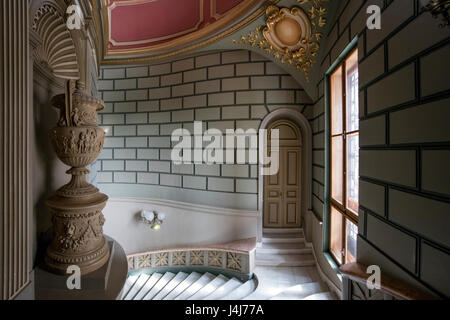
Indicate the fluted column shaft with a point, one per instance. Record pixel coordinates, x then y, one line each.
14 173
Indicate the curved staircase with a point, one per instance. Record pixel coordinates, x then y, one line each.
284 248
286 268
185 286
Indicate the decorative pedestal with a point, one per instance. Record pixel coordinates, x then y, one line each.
77 207
78 233
105 283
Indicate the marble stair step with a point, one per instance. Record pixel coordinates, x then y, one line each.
223 290
194 276
165 279
283 248
321 296
285 260
283 231
148 286
282 238
295 235
299 292
197 285
242 291
209 288
171 285
137 286
127 286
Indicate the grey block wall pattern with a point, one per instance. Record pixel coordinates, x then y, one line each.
144 104
405 138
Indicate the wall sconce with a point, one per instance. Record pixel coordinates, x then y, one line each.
153 219
440 7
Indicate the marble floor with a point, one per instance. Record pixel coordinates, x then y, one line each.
287 282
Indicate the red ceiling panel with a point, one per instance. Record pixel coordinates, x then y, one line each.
143 24
222 6
152 21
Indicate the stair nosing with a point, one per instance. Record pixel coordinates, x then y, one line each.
187 275
248 282
239 283
134 295
151 276
207 274
192 273
283 251
283 240
143 298
203 285
220 276
124 294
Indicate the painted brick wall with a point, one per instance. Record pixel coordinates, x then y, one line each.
405 138
144 104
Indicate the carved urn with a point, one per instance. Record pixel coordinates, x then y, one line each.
77 237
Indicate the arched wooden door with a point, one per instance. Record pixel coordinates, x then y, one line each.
282 191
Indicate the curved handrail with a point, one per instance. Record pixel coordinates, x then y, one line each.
240 246
396 288
236 257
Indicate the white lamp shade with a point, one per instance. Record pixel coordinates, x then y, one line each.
148 215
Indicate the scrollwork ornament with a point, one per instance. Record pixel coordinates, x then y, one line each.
291 35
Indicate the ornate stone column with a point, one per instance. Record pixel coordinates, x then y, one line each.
77 206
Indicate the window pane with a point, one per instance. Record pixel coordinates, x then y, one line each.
352 93
336 102
337 169
351 231
336 241
353 172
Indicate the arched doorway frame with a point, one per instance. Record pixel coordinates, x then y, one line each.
303 124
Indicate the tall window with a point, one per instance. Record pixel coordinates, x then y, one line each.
344 160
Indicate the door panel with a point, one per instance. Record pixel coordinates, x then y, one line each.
273 211
291 213
273 207
282 191
292 187
291 166
274 215
273 180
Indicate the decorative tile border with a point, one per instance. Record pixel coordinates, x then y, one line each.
211 258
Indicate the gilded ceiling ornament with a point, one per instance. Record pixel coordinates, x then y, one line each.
291 35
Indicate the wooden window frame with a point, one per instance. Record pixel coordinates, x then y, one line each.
347 214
